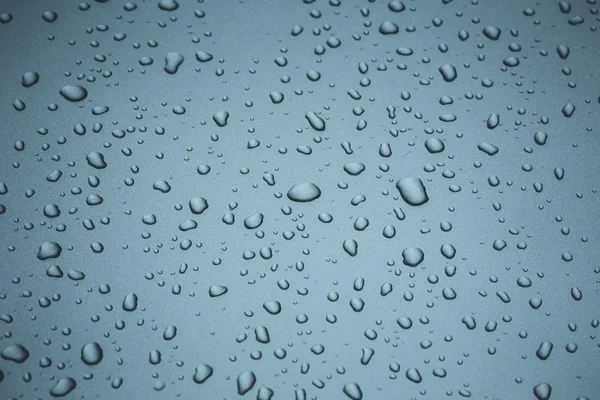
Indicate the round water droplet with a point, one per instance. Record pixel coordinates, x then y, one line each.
353 391
492 32
130 302
434 145
168 5
49 250
351 247
412 256
388 28
198 205
542 391
50 16
29 79
91 353
354 168
448 72
414 375
73 93
304 192
396 6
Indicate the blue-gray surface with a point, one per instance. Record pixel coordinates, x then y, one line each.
299 199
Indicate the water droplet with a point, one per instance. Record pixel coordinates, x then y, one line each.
202 373
315 121
304 192
412 191
388 28
168 5
353 391
203 56
29 79
73 93
91 353
448 72
245 382
412 256
542 391
173 61
220 118
217 290
15 353
63 387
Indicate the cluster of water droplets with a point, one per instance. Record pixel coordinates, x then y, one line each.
309 199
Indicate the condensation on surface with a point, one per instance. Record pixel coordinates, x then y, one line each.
299 199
